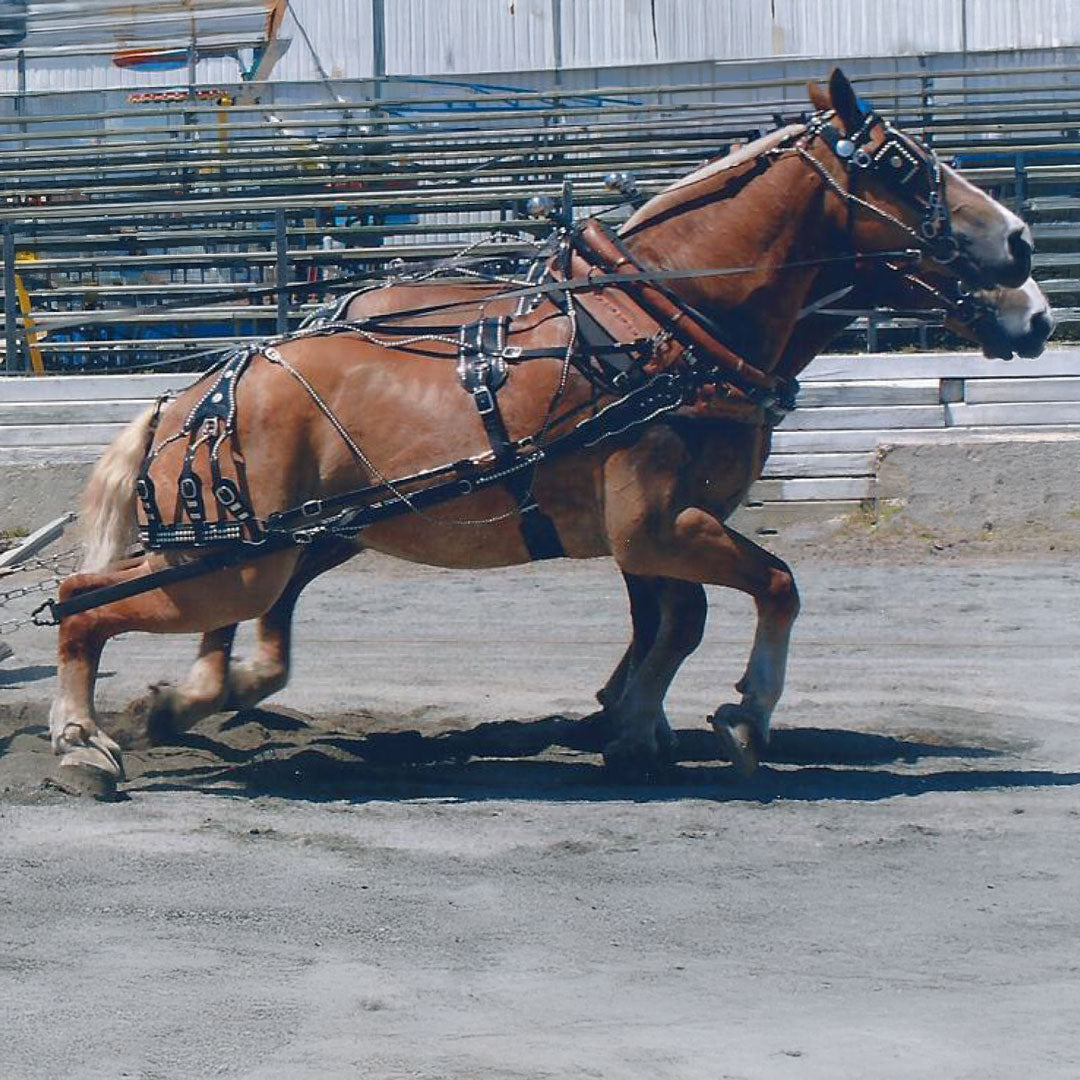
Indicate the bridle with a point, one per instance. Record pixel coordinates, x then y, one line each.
904 164
908 167
911 169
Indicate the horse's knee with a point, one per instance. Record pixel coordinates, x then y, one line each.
780 596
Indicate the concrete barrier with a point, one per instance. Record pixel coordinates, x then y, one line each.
980 484
951 439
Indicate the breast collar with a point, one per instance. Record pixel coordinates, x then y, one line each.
659 332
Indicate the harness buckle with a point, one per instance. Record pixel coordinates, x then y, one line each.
312 508
485 400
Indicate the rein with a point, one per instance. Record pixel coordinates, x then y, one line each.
591 282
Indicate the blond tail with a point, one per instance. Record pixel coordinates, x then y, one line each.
107 518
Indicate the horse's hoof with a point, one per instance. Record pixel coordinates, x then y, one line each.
738 737
630 760
75 777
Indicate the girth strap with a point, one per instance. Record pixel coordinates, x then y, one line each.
482 369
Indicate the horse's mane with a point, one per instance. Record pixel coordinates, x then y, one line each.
671 196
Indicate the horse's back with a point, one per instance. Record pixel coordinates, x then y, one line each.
454 303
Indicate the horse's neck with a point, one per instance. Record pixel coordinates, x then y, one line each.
763 220
809 339
816 330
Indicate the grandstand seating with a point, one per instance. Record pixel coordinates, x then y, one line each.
137 204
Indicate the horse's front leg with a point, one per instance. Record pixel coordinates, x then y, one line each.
697 547
671 616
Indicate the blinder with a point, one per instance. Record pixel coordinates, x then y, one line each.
912 169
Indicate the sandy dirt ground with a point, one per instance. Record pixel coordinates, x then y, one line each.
412 865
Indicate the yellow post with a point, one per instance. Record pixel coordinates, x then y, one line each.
29 327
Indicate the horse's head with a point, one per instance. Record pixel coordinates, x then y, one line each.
894 191
1005 322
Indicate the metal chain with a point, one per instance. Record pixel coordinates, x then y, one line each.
849 197
57 567
498 237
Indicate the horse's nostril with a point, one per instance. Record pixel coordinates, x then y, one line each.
1042 323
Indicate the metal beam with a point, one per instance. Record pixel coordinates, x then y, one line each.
281 233
11 336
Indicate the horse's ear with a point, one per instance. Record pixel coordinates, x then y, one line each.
819 96
844 101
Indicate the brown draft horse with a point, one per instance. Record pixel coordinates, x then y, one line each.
655 500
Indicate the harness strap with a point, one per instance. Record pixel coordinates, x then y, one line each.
191 490
170 575
482 369
595 244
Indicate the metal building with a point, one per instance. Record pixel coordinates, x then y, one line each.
50 45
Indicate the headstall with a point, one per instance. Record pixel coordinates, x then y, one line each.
903 163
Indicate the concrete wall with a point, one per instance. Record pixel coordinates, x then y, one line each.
953 439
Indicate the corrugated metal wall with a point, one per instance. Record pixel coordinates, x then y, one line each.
458 37
1022 24
513 41
451 37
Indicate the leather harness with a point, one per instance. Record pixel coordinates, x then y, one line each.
632 334
655 353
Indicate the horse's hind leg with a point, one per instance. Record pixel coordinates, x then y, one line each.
253 680
698 548
216 682
222 598
166 709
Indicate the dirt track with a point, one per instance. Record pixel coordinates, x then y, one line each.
309 893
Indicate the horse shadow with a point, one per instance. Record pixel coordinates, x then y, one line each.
558 758
14 678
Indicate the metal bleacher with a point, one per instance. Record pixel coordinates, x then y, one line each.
193 202
181 207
